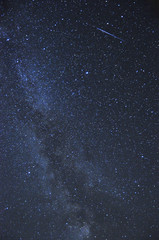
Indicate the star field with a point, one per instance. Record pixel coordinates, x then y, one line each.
79 120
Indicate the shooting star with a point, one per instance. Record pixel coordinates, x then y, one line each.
110 34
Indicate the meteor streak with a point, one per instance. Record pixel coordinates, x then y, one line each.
110 34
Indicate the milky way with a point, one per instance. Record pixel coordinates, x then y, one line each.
79 120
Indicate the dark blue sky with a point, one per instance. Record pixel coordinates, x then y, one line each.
79 120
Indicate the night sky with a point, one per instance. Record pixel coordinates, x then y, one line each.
79 120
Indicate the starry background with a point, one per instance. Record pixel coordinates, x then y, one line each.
79 120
